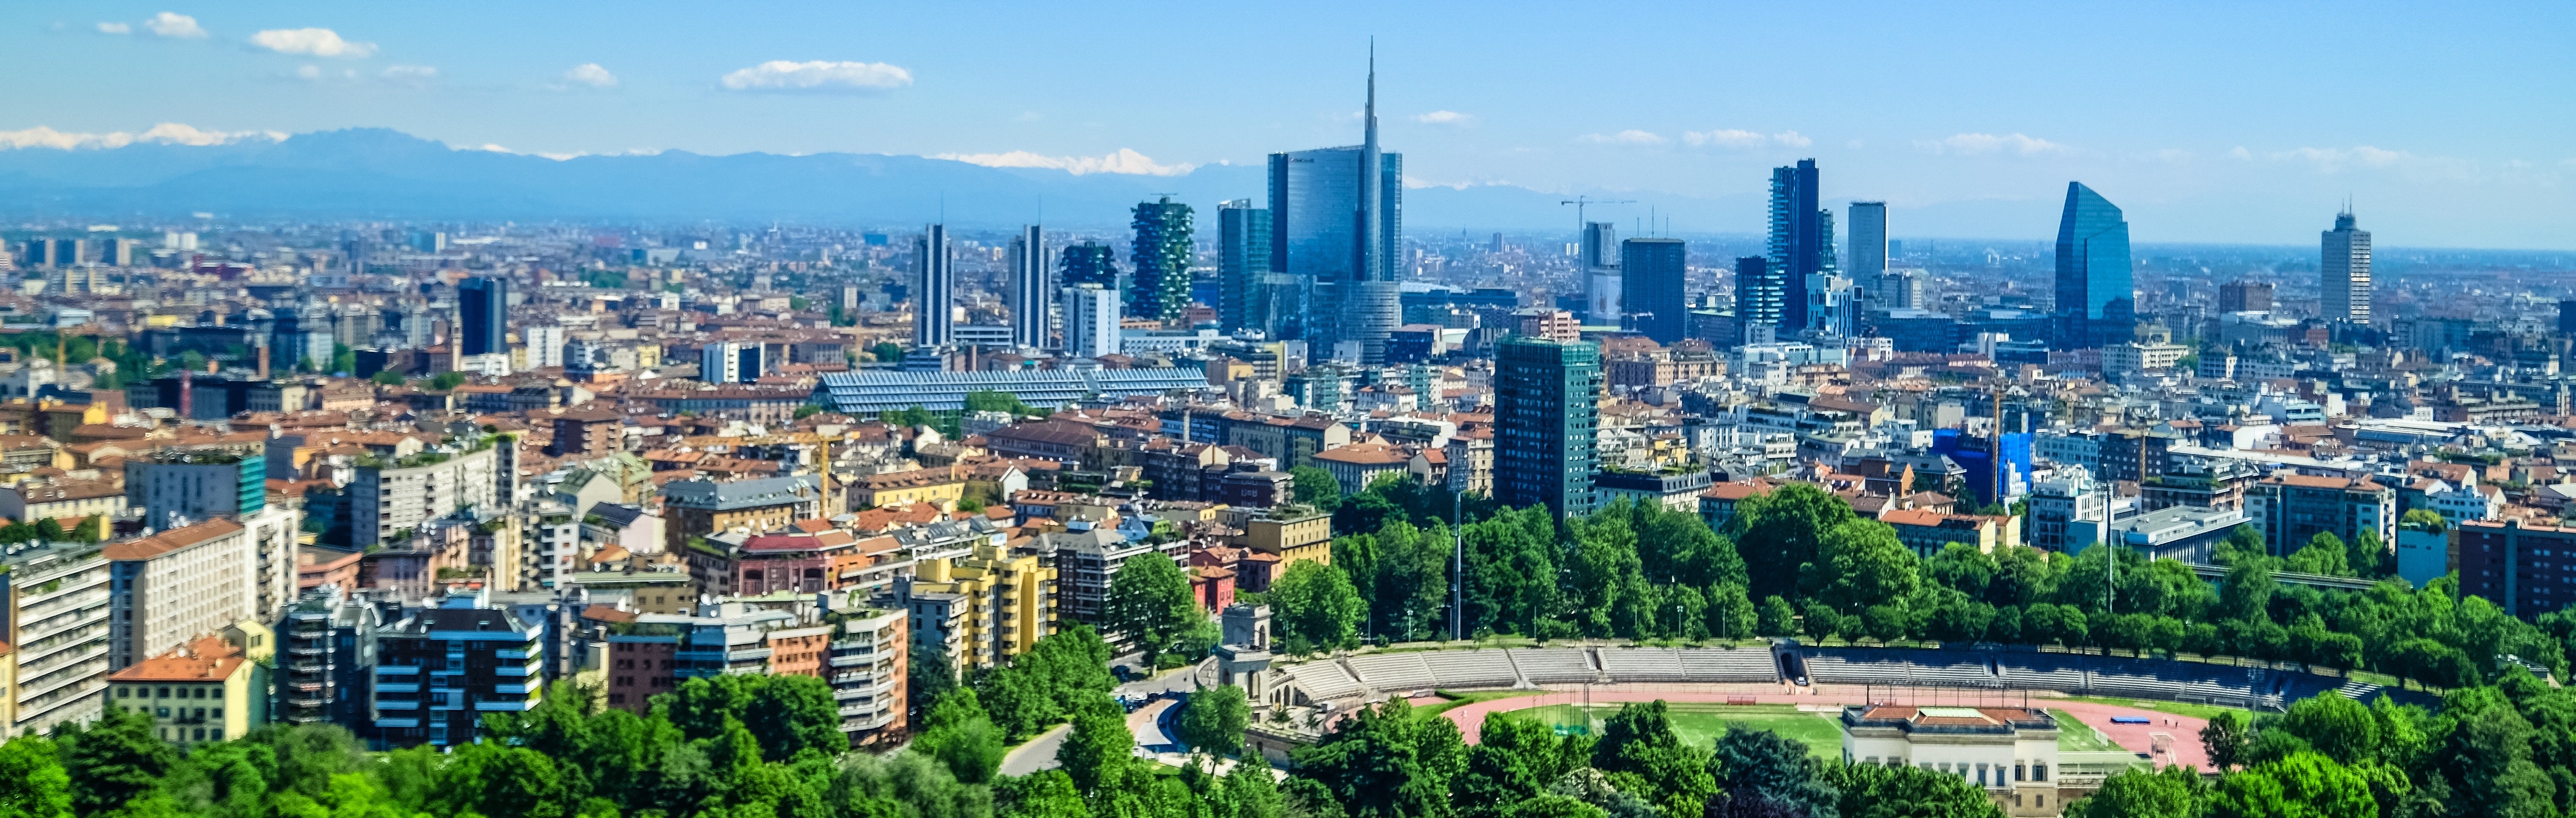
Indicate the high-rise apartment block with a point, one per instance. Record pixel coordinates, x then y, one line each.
1546 407
1091 321
933 290
401 493
1759 297
180 584
439 670
1162 255
1031 293
2096 304
1654 273
1602 282
2344 290
1242 267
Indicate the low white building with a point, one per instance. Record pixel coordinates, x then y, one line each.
2011 753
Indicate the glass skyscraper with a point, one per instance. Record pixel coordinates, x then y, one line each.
1868 228
2096 304
933 325
1032 289
1800 242
483 325
1652 277
1336 219
1546 406
1601 279
1242 257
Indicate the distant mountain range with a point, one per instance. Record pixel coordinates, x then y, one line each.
376 173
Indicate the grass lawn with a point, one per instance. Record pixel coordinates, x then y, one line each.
1457 700
2074 736
1699 723
2197 711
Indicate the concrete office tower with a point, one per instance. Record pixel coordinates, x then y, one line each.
2096 304
1654 278
1242 260
1546 408
1868 242
2345 288
1898 290
1090 320
1602 283
1800 242
1759 292
1336 219
483 316
1032 290
2247 296
731 361
1162 254
932 289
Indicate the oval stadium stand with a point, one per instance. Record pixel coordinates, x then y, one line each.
1467 669
1730 665
1555 666
1386 672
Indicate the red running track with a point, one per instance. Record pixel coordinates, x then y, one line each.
2185 749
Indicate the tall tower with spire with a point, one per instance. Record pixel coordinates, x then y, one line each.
1336 219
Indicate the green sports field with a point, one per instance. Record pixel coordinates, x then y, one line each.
1700 723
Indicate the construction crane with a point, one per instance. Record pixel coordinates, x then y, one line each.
1579 202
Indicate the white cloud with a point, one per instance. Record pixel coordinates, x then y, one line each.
1740 138
2332 160
115 28
310 72
318 42
1980 144
818 75
1446 118
411 73
181 26
167 133
591 75
1125 161
1631 136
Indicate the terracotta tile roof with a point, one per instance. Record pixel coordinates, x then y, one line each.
207 659
170 541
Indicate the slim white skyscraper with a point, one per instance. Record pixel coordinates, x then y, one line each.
2345 265
1602 282
1031 289
1090 321
1868 240
933 288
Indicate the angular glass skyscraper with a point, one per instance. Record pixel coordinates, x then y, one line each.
1652 276
933 324
1242 257
1162 255
2096 304
1032 290
2345 265
1800 240
483 323
1868 228
1336 219
1546 406
1601 279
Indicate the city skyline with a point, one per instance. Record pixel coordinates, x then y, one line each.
2197 148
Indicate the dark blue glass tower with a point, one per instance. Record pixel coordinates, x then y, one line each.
1758 293
1651 282
1546 404
1799 241
484 323
2095 302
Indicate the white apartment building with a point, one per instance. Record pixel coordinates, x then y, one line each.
60 628
404 493
177 585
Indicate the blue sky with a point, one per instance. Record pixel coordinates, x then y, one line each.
2449 125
